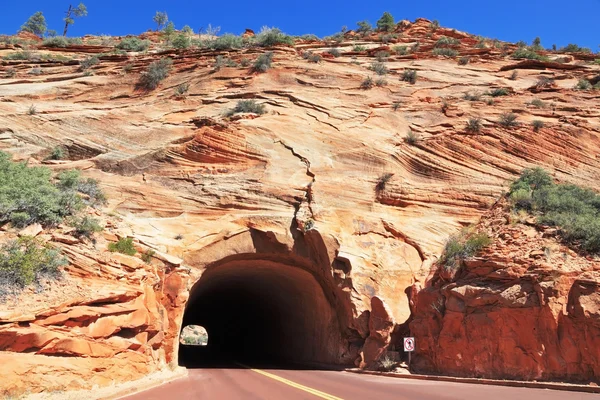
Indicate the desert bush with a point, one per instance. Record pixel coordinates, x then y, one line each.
19 55
364 27
310 37
379 68
263 62
182 89
472 96
400 50
583 84
573 209
574 48
25 261
499 92
247 106
445 41
434 25
382 56
57 153
409 75
367 83
32 110
461 246
123 246
443 51
508 120
538 103
381 82
544 82
222 61
396 105
156 72
514 75
85 226
88 63
147 256
525 53
181 41
10 73
58 41
382 181
35 71
464 60
359 48
474 124
271 37
226 42
334 52
314 58
537 125
387 364
412 138
133 44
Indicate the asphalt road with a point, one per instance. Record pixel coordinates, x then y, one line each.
255 384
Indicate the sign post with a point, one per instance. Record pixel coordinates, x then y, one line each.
409 346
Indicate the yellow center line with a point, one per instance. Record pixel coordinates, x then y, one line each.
307 389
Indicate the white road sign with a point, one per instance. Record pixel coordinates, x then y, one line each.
409 344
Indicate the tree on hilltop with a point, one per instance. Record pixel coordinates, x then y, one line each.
161 18
36 24
386 22
74 12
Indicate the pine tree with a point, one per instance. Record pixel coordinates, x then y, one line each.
386 22
36 24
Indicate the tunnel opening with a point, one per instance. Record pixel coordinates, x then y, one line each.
261 313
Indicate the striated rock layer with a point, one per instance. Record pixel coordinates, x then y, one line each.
320 204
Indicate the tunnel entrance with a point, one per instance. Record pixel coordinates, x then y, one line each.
261 312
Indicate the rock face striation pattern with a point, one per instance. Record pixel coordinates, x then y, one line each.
322 195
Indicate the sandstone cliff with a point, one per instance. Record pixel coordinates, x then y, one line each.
301 187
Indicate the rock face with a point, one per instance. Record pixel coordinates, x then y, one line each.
323 189
528 309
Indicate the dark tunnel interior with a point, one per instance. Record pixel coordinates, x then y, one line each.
260 313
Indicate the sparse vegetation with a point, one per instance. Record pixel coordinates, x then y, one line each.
508 120
472 96
271 37
464 245
382 56
123 246
396 105
537 125
263 62
525 53
409 75
32 110
334 52
88 63
499 92
147 256
182 89
446 41
583 84
412 138
368 83
157 71
538 103
573 209
514 75
58 41
464 60
85 226
181 41
387 364
474 124
544 82
10 73
57 153
400 50
381 82
443 51
358 48
382 181
247 106
133 44
364 28
25 261
314 58
379 68
574 48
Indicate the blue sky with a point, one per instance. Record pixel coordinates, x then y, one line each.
556 22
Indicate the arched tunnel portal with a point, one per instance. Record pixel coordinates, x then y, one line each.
259 311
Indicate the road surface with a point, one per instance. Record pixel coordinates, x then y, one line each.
258 384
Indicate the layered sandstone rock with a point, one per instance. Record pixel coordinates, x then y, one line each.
299 186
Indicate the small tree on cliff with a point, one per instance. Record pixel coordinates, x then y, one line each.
386 22
74 12
161 18
36 24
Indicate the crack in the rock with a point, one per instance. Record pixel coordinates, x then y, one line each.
308 191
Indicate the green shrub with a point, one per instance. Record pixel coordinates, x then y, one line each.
583 84
382 181
181 41
156 72
88 63
57 153
434 25
379 68
123 246
461 246
147 256
85 226
272 37
382 56
222 61
247 106
537 125
182 89
334 52
472 96
94 196
444 52
401 50
19 55
573 48
508 120
364 27
525 53
368 83
25 261
409 75
58 41
359 48
263 62
474 125
464 60
381 82
538 103
573 209
499 92
445 41
412 138
133 44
